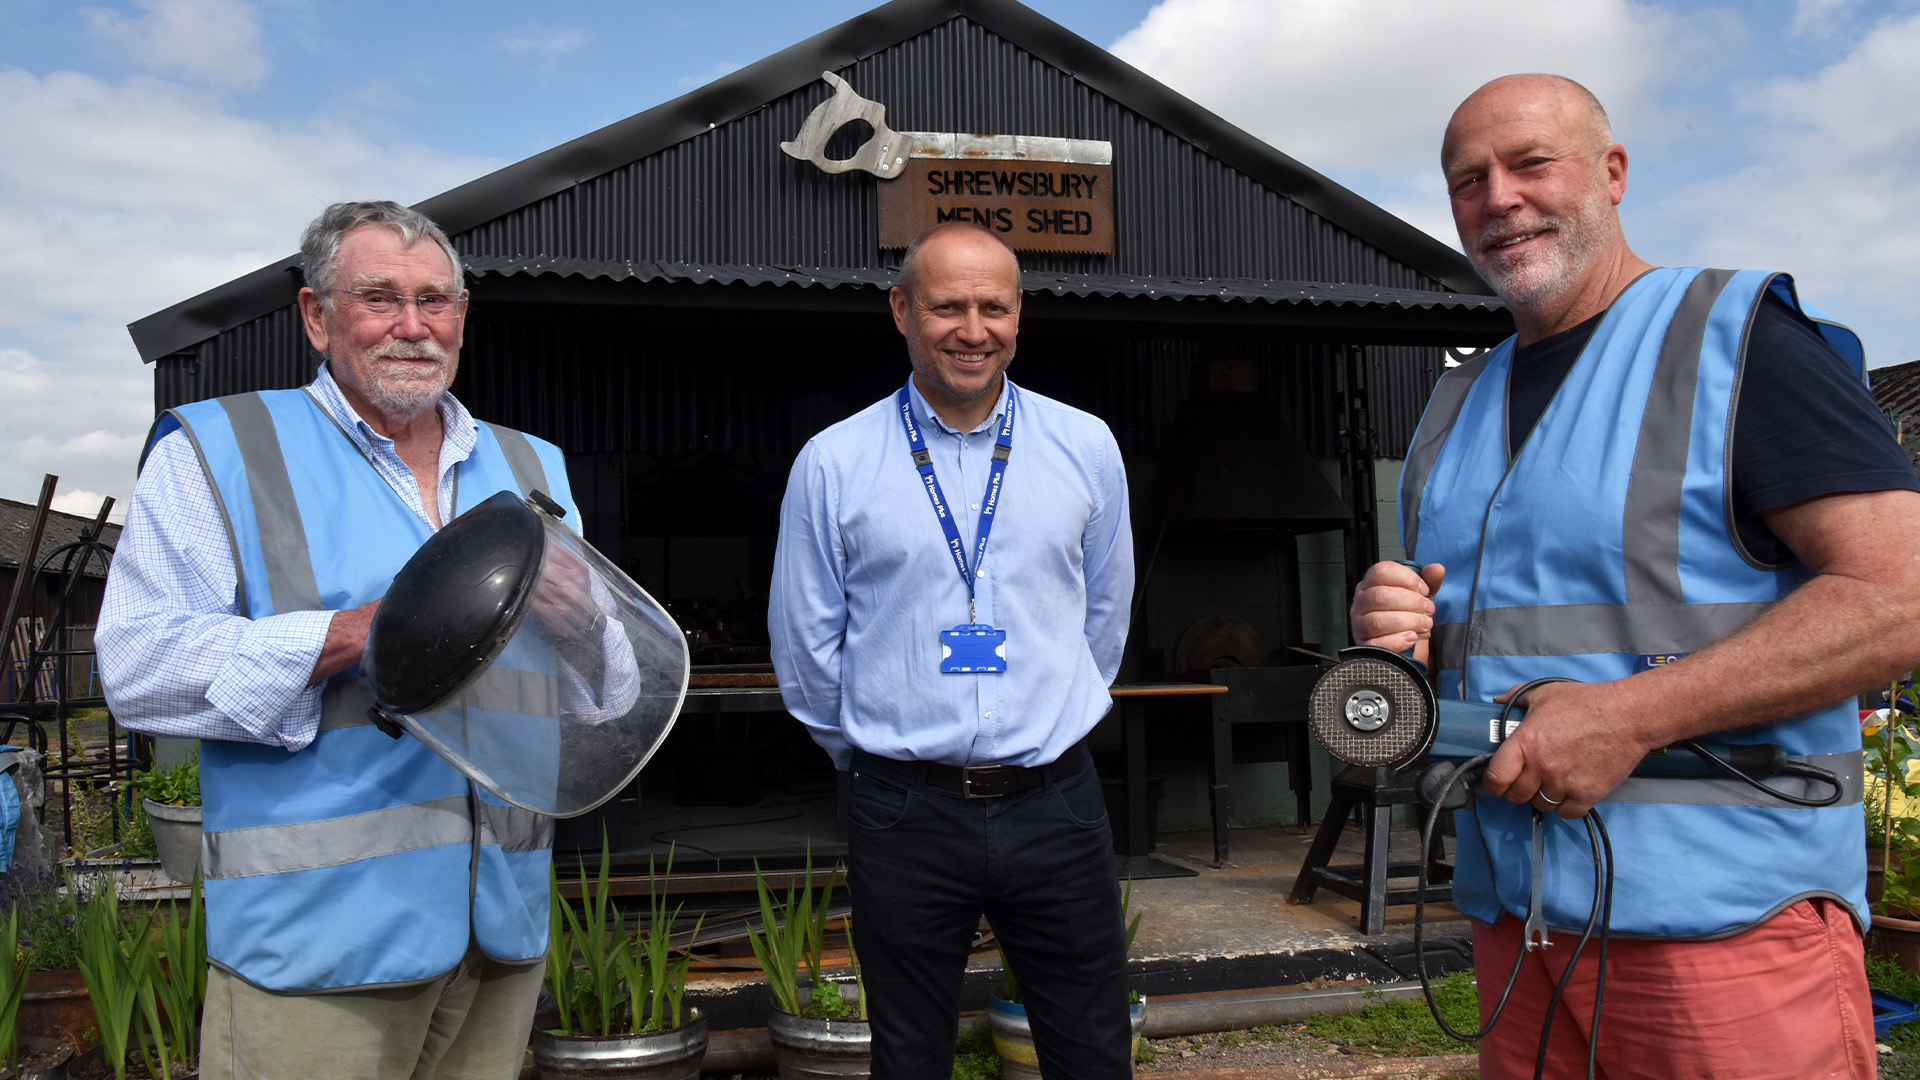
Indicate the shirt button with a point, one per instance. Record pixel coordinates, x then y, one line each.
988 714
976 506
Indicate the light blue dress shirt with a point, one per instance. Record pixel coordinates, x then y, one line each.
863 585
178 656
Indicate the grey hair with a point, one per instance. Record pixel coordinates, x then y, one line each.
908 278
320 244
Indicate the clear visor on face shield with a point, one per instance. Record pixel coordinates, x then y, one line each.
526 659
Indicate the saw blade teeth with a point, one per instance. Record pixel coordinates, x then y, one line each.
1359 686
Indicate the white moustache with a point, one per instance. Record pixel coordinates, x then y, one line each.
409 350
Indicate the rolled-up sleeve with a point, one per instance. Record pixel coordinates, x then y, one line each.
807 610
177 654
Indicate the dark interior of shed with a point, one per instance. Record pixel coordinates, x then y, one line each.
681 422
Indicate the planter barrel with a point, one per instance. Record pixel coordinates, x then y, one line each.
1013 1038
55 1005
655 1055
1896 939
805 1048
176 837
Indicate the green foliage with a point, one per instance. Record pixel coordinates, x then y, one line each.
118 963
623 982
175 785
13 984
1146 1054
136 836
1892 796
975 1058
180 986
1266 1033
49 920
792 934
1406 1027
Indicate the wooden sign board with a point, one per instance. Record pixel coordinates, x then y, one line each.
1033 205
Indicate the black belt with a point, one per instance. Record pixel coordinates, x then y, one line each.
979 781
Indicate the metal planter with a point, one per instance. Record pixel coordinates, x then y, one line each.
805 1048
653 1055
1013 1039
176 838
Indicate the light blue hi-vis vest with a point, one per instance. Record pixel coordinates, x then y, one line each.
1606 545
360 860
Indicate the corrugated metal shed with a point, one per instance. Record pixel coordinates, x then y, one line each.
1897 389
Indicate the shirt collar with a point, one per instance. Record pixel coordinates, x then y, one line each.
931 419
462 433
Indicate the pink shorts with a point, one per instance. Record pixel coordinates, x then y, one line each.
1786 999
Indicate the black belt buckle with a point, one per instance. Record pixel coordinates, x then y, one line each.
987 781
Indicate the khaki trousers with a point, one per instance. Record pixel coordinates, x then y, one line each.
470 1024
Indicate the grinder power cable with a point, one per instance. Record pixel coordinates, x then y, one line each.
524 657
1375 708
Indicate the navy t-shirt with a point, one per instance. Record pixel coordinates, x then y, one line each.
1805 425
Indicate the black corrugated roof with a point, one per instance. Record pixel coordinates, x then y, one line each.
1032 281
751 89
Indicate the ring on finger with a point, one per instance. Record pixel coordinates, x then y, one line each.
1542 796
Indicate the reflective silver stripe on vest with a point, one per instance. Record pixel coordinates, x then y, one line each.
1443 408
226 516
1847 768
1650 535
283 539
514 828
311 845
1579 629
522 459
497 689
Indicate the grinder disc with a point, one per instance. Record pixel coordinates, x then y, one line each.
1368 711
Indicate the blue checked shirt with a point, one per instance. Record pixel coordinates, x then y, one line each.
863 584
177 654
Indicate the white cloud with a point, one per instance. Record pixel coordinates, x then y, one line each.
86 504
120 199
536 40
1827 193
217 42
1366 89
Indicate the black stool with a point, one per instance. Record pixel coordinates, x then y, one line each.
1376 791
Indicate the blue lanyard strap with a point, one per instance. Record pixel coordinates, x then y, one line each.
923 460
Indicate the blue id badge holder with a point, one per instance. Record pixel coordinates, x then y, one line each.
973 649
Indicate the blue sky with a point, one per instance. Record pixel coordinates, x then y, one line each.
155 148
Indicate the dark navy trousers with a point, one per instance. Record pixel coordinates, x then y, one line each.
924 863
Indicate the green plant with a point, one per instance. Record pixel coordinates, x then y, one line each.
175 785
656 982
49 919
793 932
13 984
1406 1027
974 1057
623 982
180 985
119 962
1892 796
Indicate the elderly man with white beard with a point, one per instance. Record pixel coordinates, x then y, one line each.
1672 488
367 907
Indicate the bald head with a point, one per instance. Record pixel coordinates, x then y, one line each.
1550 99
1535 180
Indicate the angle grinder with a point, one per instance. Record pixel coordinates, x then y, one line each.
1375 708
